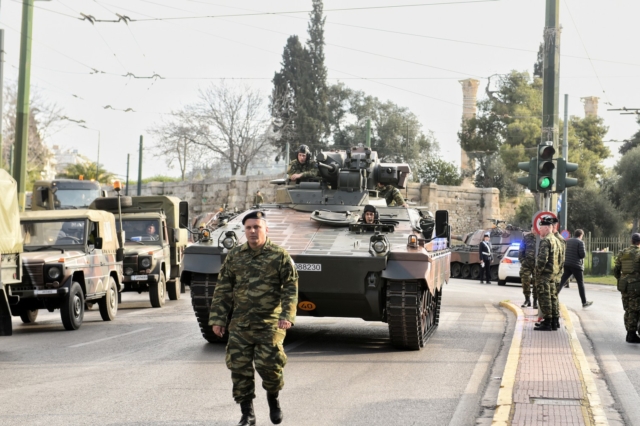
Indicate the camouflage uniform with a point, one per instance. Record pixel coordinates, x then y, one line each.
309 169
527 258
261 286
392 195
258 199
562 248
627 272
546 269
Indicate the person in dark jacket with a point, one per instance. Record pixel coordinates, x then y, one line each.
485 256
574 254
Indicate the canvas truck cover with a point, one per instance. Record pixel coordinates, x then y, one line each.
148 203
10 233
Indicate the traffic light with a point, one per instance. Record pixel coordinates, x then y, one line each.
545 167
530 179
563 181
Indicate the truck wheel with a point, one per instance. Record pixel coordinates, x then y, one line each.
157 292
111 203
412 314
109 303
202 288
72 308
455 270
29 316
173 288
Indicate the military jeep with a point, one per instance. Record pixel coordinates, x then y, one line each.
10 248
70 257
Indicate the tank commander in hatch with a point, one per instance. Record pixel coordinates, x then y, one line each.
391 195
370 215
303 167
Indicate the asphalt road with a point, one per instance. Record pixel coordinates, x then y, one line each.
151 366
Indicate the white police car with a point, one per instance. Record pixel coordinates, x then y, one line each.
509 269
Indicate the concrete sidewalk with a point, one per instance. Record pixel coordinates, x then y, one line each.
547 380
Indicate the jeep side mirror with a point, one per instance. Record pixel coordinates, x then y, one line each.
183 215
120 255
442 225
98 243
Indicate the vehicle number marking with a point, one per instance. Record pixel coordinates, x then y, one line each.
309 267
307 306
46 292
139 277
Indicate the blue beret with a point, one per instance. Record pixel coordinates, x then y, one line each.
256 214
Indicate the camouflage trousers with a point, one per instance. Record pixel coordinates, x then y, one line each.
526 276
547 297
631 306
262 348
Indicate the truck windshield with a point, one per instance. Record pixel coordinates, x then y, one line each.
141 231
54 233
75 198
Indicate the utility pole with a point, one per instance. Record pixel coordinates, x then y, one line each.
368 132
98 160
126 187
22 110
286 159
551 81
1 93
140 168
565 154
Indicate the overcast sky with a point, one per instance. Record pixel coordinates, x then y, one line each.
410 52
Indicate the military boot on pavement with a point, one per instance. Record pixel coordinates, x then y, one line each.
555 323
248 416
632 337
275 412
545 325
535 303
527 302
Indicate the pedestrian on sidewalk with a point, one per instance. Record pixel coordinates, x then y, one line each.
258 286
527 258
627 272
485 257
573 265
547 266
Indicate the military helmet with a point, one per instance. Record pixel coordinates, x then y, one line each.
304 149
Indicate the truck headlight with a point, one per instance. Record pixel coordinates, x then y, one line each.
145 262
128 271
54 273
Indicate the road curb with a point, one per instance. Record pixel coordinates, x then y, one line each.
595 412
502 414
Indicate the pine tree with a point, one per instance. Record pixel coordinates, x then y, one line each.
318 78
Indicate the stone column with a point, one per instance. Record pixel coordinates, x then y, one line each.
590 106
469 110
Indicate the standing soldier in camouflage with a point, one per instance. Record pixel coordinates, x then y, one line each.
627 272
259 282
258 199
391 195
546 269
562 248
527 258
303 167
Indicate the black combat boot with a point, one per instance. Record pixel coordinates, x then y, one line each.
248 416
545 325
535 303
527 302
632 337
555 323
275 412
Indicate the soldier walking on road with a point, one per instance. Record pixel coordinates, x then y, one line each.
259 282
485 256
574 254
627 272
547 266
527 258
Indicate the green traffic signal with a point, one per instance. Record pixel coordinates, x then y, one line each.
546 167
545 182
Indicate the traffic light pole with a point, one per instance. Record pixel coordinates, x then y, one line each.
565 154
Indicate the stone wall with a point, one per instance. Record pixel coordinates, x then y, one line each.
469 207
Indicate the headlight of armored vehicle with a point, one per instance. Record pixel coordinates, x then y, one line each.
379 246
128 271
54 272
145 262
230 240
378 243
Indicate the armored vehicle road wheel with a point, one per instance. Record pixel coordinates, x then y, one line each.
412 314
111 203
157 291
202 288
174 289
475 271
456 270
465 271
72 308
109 303
29 316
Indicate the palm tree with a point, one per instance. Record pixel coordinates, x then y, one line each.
88 172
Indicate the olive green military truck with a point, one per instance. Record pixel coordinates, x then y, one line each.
153 244
61 194
70 257
10 248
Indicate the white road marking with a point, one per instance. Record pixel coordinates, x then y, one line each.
109 338
449 316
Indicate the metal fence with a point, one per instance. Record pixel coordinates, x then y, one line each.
612 244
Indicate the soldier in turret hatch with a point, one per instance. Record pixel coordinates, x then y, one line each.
303 167
391 195
370 215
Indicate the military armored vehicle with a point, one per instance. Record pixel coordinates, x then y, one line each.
153 245
10 249
391 271
60 194
465 258
70 257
